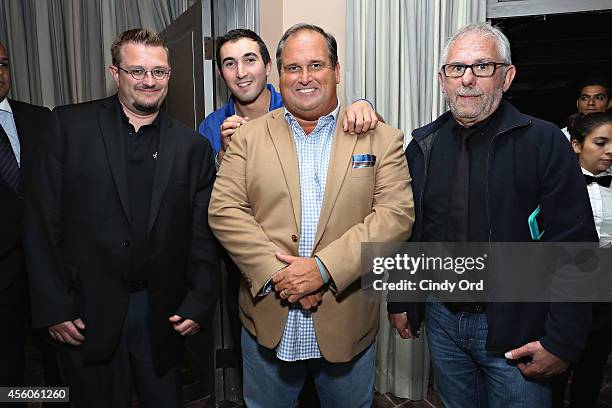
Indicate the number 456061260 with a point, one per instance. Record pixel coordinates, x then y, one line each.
34 394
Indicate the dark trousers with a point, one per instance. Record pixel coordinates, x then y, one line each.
50 365
108 384
13 315
231 303
587 374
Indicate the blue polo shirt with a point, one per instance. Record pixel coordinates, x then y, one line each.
210 127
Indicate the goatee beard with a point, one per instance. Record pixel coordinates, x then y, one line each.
151 108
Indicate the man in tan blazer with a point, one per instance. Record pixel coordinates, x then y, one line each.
293 201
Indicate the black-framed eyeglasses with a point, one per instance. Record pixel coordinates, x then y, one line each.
140 73
480 69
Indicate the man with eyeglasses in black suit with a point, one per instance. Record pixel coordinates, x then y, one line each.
122 262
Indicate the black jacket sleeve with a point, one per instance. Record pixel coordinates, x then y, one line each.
203 268
50 282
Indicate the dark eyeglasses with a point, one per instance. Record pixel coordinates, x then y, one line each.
140 73
481 69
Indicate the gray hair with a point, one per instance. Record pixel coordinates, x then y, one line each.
332 46
486 30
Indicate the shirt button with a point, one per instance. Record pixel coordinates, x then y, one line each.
294 238
125 244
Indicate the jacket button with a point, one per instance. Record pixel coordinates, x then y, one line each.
294 238
125 244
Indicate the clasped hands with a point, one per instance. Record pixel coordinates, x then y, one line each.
300 281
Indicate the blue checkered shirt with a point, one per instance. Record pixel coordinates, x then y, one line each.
299 341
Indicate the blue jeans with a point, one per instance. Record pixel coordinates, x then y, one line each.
269 382
467 374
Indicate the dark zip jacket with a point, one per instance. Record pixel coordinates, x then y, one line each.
529 163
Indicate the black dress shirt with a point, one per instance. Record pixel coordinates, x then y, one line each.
141 156
440 175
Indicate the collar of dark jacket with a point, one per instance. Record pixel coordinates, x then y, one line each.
512 118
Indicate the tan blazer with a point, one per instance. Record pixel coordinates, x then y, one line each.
255 211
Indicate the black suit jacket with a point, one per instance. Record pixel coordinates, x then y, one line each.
32 123
78 231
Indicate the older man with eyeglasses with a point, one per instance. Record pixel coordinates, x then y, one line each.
479 171
122 263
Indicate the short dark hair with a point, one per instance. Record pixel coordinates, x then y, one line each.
238 34
136 36
593 81
582 125
332 45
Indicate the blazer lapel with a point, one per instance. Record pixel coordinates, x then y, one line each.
163 168
112 134
339 164
285 148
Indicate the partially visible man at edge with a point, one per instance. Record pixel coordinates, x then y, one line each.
23 127
485 157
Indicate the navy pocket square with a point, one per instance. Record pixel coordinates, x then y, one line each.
363 160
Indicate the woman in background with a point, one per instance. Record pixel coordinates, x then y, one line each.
591 138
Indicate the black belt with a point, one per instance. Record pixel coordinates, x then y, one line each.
137 286
456 307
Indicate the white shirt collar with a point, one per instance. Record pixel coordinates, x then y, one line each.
333 113
603 173
4 106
